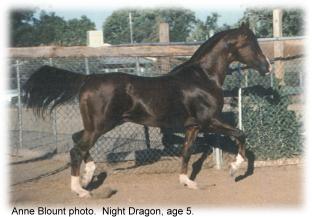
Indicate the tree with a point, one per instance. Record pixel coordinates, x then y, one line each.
49 29
212 22
180 22
224 27
260 20
202 31
145 25
116 28
199 33
21 30
76 31
293 22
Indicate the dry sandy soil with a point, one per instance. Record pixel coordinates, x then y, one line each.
267 187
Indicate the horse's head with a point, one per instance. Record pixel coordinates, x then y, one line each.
244 48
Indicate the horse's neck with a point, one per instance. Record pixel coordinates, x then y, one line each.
215 62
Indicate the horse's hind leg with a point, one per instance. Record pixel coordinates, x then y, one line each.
83 140
89 162
88 171
190 136
80 152
218 126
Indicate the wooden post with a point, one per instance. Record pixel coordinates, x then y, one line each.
278 45
164 38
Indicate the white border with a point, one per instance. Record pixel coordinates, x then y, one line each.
191 4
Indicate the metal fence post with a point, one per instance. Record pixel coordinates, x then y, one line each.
145 128
301 84
218 154
87 66
271 79
54 117
246 77
20 114
240 123
137 65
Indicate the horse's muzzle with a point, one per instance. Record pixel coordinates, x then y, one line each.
265 67
269 64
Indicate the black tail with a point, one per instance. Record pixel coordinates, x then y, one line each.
51 86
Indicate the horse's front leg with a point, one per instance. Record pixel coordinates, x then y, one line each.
190 136
218 126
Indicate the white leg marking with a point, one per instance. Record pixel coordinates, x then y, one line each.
75 187
186 181
88 173
239 160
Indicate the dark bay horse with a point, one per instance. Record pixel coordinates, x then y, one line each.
189 97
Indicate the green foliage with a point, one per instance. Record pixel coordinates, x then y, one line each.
203 30
211 21
293 22
48 29
76 30
116 27
199 33
146 23
180 22
21 30
260 20
272 130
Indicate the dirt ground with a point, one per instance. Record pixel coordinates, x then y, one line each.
267 187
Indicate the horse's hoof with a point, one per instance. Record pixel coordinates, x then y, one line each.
192 185
85 181
234 166
88 175
86 194
232 170
186 181
183 179
82 193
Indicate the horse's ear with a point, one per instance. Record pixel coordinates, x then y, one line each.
245 25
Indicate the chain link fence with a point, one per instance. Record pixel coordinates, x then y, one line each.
268 112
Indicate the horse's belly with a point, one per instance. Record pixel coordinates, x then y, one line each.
157 116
